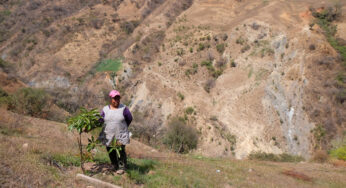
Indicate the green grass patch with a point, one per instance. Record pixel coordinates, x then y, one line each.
339 153
284 157
138 168
101 157
63 159
109 65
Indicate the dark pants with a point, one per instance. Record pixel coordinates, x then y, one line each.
118 162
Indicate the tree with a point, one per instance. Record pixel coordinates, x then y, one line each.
180 137
84 122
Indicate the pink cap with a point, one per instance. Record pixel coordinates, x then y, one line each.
114 93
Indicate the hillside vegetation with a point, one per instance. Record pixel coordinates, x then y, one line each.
212 81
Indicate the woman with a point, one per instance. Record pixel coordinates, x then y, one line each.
116 117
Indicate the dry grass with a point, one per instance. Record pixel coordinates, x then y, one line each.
47 160
297 175
320 156
23 166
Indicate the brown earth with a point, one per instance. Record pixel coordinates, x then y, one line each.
270 101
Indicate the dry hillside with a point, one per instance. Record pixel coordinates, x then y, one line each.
254 74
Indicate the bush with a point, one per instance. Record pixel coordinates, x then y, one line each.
3 93
233 63
339 153
284 157
320 156
324 19
200 47
146 127
245 48
29 101
240 41
181 96
220 48
319 134
5 66
189 110
129 27
180 52
180 137
209 85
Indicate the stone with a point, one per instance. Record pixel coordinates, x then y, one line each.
25 146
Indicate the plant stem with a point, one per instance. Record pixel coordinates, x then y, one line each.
81 152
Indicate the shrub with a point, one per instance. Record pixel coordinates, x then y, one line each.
233 63
189 110
320 156
209 85
181 96
240 41
220 48
129 27
180 137
324 20
29 101
284 157
3 93
4 14
339 153
208 64
221 63
188 72
97 23
319 133
200 47
217 73
232 139
145 127
4 64
180 52
245 48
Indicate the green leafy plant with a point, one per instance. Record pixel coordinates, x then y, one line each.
29 101
339 153
84 122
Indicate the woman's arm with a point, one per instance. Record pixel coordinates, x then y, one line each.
128 116
101 120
